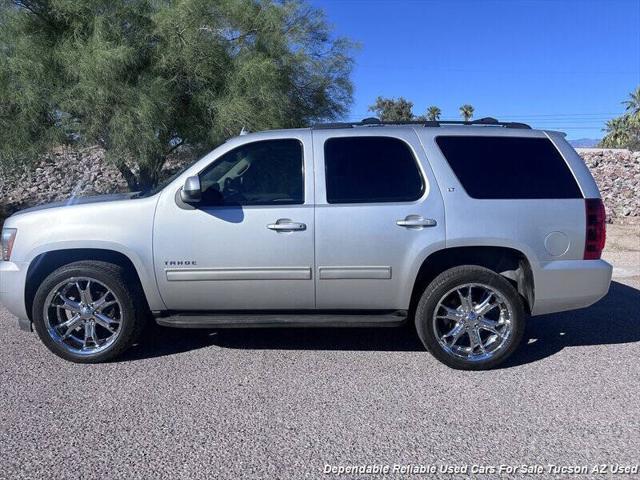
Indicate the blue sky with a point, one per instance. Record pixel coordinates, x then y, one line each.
559 64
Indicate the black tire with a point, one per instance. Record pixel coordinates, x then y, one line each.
446 282
133 308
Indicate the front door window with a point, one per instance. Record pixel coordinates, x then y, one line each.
268 172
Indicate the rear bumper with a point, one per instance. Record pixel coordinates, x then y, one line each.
570 284
12 284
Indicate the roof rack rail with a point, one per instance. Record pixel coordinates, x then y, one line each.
481 121
372 121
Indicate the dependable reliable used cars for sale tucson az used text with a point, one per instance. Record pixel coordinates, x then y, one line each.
465 228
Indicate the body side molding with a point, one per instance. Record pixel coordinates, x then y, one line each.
215 274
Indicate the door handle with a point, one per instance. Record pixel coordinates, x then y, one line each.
416 221
286 225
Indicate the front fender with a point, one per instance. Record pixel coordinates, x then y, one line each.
124 226
143 267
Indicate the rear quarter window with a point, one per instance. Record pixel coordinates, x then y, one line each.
509 167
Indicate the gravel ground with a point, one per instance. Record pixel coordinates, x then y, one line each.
284 403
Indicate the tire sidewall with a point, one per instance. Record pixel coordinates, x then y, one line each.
449 280
110 276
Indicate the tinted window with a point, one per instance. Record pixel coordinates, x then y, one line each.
509 167
261 173
370 169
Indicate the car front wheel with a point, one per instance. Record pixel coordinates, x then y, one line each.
83 312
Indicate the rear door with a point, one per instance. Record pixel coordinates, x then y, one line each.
378 215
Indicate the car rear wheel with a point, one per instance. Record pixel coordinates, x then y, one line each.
470 318
83 312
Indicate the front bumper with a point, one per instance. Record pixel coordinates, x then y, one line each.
570 284
12 287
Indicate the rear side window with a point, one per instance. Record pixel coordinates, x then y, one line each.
509 167
370 170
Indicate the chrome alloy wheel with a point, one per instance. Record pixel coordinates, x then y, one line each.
473 322
83 315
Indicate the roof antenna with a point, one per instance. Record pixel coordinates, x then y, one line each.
244 131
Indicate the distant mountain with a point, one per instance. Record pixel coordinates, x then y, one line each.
585 142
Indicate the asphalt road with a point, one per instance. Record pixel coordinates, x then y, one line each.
284 403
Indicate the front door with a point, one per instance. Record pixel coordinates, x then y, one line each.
248 245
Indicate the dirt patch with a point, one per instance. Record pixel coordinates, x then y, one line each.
622 250
623 238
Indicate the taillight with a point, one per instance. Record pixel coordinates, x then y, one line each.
596 231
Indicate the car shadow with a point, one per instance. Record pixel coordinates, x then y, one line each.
613 320
160 341
227 213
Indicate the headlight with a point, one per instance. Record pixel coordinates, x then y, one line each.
8 237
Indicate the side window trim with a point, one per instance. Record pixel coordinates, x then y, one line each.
410 151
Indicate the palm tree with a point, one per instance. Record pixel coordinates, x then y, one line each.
633 104
624 131
618 133
466 111
433 113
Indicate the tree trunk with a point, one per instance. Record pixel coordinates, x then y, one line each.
129 177
147 176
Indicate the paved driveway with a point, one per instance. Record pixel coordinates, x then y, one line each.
284 403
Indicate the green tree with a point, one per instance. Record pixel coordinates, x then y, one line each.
624 131
466 111
433 113
141 78
392 110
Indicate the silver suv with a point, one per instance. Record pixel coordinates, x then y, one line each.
465 228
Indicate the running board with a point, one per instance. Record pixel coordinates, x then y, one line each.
263 319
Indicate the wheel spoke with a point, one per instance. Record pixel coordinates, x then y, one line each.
103 303
90 334
450 313
475 341
85 294
106 305
485 305
455 333
68 304
106 322
69 326
465 301
490 326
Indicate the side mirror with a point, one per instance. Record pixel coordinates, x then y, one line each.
191 192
